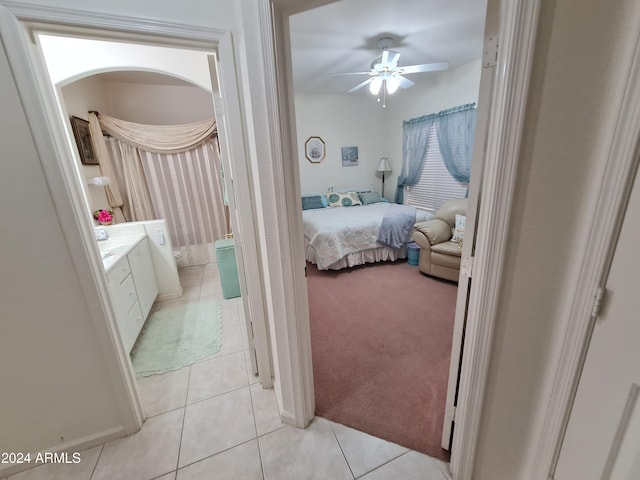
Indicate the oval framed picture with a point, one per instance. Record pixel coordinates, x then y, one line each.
314 149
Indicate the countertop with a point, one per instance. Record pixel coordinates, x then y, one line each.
116 247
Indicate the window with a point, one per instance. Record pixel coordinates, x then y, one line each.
435 185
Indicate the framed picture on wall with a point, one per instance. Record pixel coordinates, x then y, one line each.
349 156
314 149
83 141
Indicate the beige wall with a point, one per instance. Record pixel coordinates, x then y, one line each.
576 74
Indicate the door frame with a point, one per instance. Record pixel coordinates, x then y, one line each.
516 31
614 181
52 137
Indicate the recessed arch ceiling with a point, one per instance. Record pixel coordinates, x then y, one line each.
343 37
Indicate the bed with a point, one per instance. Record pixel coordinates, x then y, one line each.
340 237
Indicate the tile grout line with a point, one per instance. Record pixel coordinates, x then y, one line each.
255 424
385 463
184 417
341 450
93 471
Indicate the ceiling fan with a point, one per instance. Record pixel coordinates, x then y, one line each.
386 72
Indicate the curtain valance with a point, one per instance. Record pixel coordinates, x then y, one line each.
159 138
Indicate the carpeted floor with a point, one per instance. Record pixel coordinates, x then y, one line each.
381 340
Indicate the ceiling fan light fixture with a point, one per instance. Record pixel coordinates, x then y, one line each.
374 86
392 83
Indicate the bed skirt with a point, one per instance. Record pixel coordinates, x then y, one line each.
372 255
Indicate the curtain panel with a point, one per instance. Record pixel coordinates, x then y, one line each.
415 141
455 138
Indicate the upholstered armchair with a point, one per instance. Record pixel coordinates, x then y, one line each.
439 256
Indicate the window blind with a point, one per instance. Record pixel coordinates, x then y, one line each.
435 185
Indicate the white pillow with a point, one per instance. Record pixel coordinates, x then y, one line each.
458 230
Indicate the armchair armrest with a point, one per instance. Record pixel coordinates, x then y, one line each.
436 230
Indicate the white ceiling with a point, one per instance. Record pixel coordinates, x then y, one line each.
343 37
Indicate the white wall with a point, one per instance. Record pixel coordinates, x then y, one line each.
80 97
341 121
359 120
158 104
55 388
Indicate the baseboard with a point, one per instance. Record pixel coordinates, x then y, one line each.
70 447
288 418
169 296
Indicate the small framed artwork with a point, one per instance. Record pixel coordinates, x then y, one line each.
349 156
314 149
83 141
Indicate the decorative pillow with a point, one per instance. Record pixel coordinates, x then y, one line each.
369 197
312 201
458 230
348 199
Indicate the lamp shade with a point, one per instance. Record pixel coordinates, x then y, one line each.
384 165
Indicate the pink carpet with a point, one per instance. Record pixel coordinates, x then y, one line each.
381 340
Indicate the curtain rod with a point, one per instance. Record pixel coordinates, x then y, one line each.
442 113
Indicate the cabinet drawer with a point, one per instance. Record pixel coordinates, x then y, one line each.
126 293
119 271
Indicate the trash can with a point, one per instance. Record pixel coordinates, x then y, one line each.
413 253
226 255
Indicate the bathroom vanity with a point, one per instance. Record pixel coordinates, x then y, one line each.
132 283
139 268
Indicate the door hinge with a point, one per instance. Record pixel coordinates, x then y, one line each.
597 301
305 271
219 106
453 414
466 266
490 52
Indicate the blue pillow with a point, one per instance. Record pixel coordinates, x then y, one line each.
368 198
311 202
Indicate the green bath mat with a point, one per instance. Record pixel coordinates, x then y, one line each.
178 336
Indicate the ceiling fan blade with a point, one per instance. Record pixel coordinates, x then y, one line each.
352 73
404 82
393 59
426 67
360 85
389 60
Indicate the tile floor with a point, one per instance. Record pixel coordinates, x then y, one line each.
213 420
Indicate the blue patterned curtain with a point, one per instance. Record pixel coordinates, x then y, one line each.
455 138
415 140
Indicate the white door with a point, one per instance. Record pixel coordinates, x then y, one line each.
473 203
602 440
259 354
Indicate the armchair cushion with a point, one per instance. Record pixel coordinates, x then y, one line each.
436 230
448 248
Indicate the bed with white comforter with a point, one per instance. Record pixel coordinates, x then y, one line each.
340 237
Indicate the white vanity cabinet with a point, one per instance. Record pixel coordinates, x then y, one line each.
133 286
144 276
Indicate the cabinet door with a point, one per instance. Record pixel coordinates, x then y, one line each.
144 276
120 288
